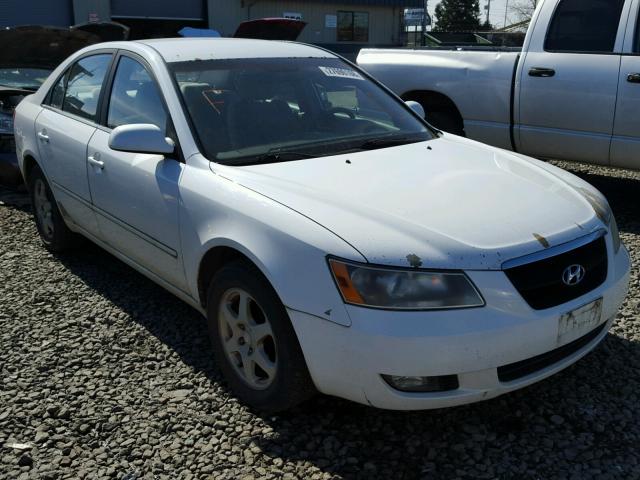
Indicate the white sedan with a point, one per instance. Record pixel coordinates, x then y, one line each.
334 240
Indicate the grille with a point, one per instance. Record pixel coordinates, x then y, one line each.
540 283
514 371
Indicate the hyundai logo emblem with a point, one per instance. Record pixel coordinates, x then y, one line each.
573 275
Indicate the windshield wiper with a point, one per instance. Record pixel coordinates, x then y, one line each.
275 157
389 142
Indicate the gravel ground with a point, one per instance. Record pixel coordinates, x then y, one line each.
105 375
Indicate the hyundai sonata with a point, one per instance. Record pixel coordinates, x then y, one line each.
333 239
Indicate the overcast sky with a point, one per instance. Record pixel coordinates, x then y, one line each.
497 11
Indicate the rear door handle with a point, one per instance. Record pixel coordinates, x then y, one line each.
542 72
43 136
95 161
633 78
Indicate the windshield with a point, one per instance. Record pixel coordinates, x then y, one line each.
248 111
27 78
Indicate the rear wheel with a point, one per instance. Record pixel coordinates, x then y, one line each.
253 340
54 233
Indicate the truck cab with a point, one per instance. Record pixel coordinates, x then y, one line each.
572 92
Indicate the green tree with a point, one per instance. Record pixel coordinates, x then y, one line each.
457 16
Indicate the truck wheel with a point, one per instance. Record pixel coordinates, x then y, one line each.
253 340
54 233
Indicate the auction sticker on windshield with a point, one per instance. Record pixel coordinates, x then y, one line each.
579 322
340 72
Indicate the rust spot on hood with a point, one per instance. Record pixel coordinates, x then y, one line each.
543 241
414 260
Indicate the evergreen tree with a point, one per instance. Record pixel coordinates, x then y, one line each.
457 16
486 27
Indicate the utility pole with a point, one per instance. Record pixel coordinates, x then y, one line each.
506 9
424 23
488 8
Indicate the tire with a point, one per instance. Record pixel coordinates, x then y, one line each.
243 345
54 233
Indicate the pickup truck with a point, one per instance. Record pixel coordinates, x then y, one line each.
572 92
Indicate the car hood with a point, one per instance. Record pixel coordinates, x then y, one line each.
446 203
36 46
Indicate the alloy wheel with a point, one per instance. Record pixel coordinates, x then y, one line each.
43 208
247 338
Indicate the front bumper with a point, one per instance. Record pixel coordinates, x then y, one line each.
347 361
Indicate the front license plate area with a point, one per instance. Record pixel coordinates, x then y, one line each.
579 322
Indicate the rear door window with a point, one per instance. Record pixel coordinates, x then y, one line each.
84 85
584 26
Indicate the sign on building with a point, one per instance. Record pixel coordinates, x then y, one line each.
330 21
414 16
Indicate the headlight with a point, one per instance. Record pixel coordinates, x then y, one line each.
6 123
604 213
396 289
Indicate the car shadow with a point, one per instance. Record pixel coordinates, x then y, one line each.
15 197
577 415
479 440
356 441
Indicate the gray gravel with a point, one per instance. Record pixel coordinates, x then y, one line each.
104 375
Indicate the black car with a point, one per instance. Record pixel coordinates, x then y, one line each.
28 55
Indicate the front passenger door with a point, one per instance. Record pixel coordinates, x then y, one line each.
136 195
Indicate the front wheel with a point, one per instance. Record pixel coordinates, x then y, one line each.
254 342
54 233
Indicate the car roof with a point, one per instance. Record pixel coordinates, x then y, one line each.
189 49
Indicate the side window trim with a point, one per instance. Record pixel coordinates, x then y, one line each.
47 99
104 111
103 107
636 34
582 52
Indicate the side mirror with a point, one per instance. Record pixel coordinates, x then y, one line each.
140 138
416 107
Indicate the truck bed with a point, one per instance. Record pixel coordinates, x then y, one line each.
479 81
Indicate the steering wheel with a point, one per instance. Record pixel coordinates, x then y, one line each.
346 111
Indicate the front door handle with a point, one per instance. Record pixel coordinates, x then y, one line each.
542 72
42 135
95 161
633 78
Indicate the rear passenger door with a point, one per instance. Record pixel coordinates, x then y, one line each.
135 195
625 145
64 127
569 81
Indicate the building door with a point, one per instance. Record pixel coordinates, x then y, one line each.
159 18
